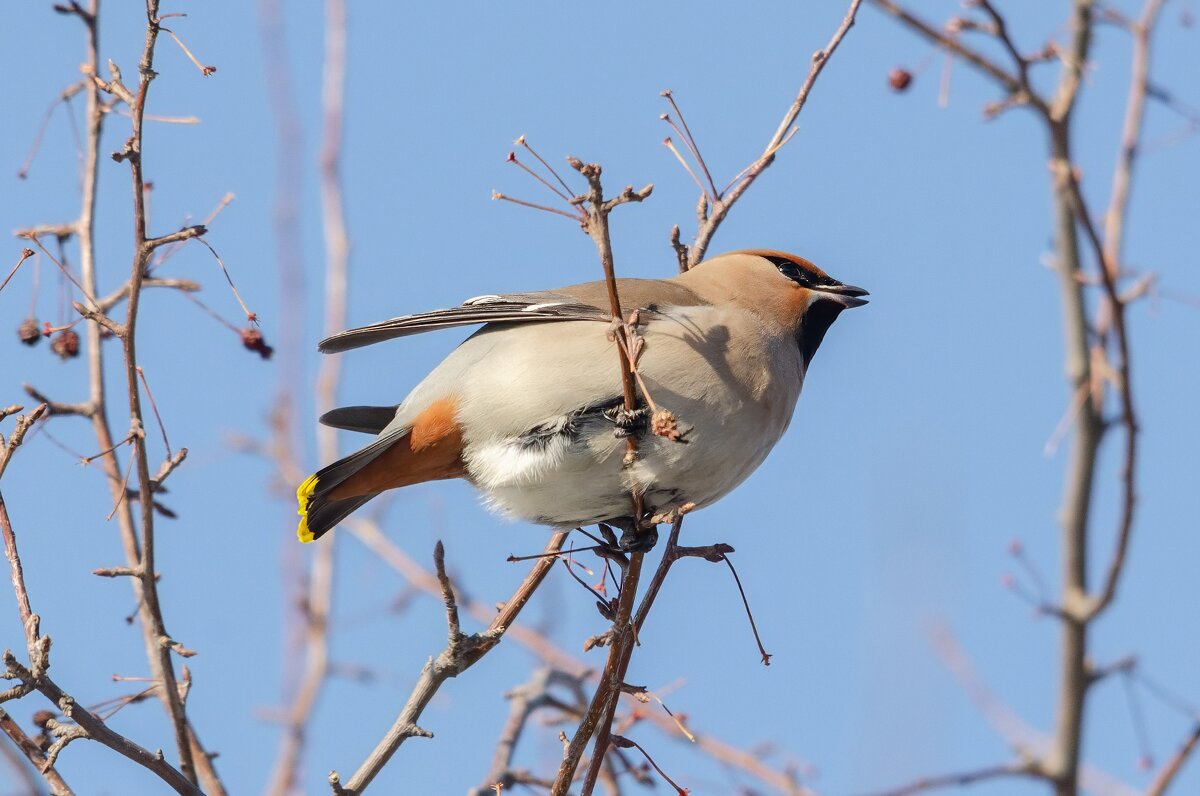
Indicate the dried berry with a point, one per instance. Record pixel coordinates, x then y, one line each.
65 344
663 423
42 717
899 79
253 340
29 332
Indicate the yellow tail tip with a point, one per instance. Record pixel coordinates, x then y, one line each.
304 493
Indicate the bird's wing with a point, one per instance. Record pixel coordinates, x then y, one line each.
585 302
483 309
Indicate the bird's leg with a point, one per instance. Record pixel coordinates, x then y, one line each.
611 549
633 538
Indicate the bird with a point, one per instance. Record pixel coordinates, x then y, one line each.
529 408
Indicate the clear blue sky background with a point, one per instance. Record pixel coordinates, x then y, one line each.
917 450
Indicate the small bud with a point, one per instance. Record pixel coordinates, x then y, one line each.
253 340
208 70
29 332
1015 547
1145 763
899 79
42 717
65 344
1006 580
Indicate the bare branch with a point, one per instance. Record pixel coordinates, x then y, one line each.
964 778
708 227
1166 775
460 654
58 787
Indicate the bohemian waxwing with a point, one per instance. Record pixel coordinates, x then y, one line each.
528 408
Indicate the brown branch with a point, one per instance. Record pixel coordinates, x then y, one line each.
1166 775
150 608
965 778
724 202
598 719
599 716
139 548
58 787
95 729
1006 79
370 535
24 423
524 701
1110 262
319 590
25 255
117 296
598 209
460 654
35 676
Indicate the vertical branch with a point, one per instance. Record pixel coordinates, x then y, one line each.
149 608
139 550
1083 341
1131 133
1080 481
318 595
596 226
1112 267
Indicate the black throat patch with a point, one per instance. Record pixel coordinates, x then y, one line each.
816 322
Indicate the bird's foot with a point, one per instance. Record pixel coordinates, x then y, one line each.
628 423
635 539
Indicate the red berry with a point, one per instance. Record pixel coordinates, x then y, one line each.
65 344
899 79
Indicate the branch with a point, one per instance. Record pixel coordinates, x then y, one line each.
139 550
1173 766
524 701
460 654
318 592
1008 81
1110 261
24 423
369 534
722 204
58 787
95 729
965 778
117 296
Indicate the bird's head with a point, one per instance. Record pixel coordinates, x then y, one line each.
782 288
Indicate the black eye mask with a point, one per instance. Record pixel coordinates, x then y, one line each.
802 276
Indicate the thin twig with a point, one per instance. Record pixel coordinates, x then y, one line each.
964 778
721 208
1170 770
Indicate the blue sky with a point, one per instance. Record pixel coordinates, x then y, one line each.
915 457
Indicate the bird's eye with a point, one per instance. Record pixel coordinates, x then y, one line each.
792 272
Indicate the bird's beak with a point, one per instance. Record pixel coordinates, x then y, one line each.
847 295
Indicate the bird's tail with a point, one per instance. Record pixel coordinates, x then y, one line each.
319 510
